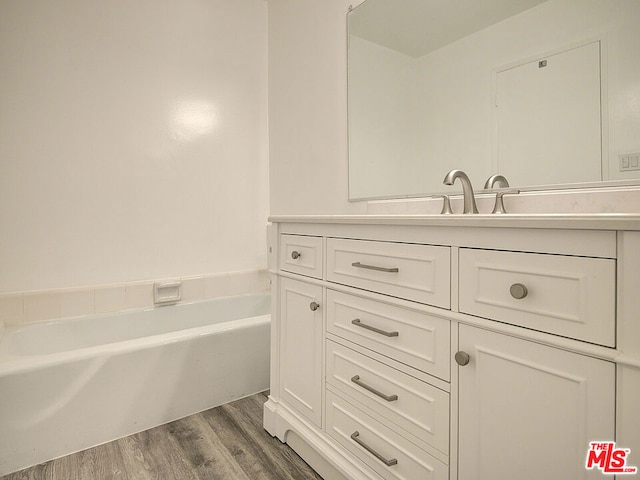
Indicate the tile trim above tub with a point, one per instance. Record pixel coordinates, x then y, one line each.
23 307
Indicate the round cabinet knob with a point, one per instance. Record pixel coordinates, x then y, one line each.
295 255
314 306
518 291
462 358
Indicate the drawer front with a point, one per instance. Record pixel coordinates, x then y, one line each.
569 296
387 453
415 272
417 407
410 337
301 254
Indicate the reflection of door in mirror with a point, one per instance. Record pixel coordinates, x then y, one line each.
423 78
548 118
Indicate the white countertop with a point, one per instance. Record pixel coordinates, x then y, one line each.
597 221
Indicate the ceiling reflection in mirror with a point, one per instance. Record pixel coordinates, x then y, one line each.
546 93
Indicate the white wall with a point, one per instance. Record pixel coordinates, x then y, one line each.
133 140
308 107
383 139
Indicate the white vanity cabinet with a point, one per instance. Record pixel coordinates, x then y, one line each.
442 348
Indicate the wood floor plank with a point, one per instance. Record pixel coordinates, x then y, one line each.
38 472
259 454
205 450
236 446
134 460
224 443
104 462
163 455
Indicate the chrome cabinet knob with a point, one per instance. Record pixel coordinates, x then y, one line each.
314 306
295 255
518 291
462 358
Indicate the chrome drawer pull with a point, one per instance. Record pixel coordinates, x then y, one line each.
388 463
358 323
389 398
373 267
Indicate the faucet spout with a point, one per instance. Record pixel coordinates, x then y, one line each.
494 180
467 189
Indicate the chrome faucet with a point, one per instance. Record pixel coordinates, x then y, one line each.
502 183
467 189
496 179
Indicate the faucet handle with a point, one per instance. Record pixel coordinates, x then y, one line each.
446 205
499 206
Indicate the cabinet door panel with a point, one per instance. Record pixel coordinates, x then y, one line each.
301 348
529 411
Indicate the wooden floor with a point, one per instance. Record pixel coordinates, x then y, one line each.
224 443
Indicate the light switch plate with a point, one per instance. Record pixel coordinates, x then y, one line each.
629 162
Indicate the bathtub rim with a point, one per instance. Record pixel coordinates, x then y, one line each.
11 328
10 365
48 321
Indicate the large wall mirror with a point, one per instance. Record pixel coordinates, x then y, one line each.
546 93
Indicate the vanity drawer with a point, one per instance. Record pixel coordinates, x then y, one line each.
569 296
415 272
301 254
408 336
378 446
417 407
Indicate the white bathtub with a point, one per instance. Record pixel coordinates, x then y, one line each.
69 385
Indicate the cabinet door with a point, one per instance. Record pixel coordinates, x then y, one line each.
529 411
301 347
548 115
